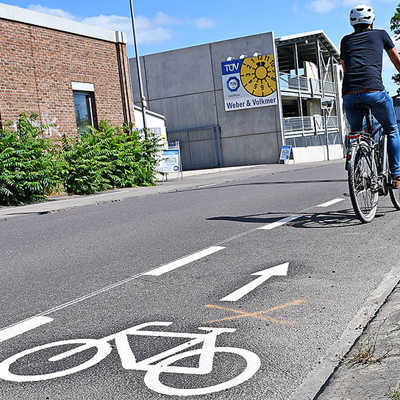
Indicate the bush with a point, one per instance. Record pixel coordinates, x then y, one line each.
108 157
28 163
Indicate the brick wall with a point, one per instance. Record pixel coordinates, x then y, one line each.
37 66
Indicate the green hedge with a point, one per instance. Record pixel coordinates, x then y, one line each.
110 157
32 166
29 165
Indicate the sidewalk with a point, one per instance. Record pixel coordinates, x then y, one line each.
191 180
371 370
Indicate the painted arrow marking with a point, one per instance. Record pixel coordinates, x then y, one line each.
280 270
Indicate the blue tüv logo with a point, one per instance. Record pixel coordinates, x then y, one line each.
231 67
233 84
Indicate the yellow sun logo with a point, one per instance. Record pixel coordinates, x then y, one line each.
258 75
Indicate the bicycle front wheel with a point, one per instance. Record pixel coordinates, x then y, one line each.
362 177
152 378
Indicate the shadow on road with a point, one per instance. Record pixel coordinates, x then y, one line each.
220 186
330 219
290 182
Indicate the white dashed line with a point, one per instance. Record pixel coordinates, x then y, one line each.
331 203
183 261
25 326
41 319
280 223
294 217
38 320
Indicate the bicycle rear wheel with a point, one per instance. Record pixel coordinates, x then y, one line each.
362 178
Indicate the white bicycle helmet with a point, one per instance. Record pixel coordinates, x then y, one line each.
362 14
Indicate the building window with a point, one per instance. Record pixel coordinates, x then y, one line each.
84 111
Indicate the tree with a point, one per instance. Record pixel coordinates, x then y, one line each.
395 27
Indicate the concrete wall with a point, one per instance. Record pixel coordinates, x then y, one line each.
185 85
317 153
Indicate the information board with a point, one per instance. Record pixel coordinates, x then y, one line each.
170 161
249 83
285 153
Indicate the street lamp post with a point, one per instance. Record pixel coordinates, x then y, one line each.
139 72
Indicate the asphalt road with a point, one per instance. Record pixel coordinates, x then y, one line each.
88 276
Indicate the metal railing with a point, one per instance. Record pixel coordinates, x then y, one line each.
309 125
292 82
329 87
332 122
306 84
296 124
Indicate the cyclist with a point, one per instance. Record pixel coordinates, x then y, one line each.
361 55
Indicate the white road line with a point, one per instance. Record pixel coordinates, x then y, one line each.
183 261
38 320
331 203
23 327
280 223
41 319
294 217
263 276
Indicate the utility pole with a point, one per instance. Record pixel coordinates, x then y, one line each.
139 71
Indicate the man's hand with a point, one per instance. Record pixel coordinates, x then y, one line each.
394 57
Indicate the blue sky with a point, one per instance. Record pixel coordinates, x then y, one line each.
170 24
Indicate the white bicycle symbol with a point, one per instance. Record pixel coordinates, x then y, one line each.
154 366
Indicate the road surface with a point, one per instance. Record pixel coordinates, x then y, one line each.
224 291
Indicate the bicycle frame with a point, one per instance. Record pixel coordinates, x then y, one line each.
154 367
128 359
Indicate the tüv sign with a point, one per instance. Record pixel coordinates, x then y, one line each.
231 66
249 83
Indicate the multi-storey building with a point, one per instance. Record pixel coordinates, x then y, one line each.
190 87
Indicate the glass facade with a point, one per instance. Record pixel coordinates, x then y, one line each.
84 102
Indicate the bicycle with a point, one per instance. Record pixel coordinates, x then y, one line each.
154 366
368 169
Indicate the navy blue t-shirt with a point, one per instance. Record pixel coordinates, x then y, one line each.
362 53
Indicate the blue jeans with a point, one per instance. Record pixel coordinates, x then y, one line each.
382 109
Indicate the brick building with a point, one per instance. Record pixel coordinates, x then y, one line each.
70 74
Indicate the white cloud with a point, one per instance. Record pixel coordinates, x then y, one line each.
204 23
149 30
323 6
353 3
164 19
51 11
156 29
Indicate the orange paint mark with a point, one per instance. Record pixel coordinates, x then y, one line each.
257 315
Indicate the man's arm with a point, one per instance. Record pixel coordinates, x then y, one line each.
394 57
343 65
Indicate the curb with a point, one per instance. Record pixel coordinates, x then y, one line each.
318 379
